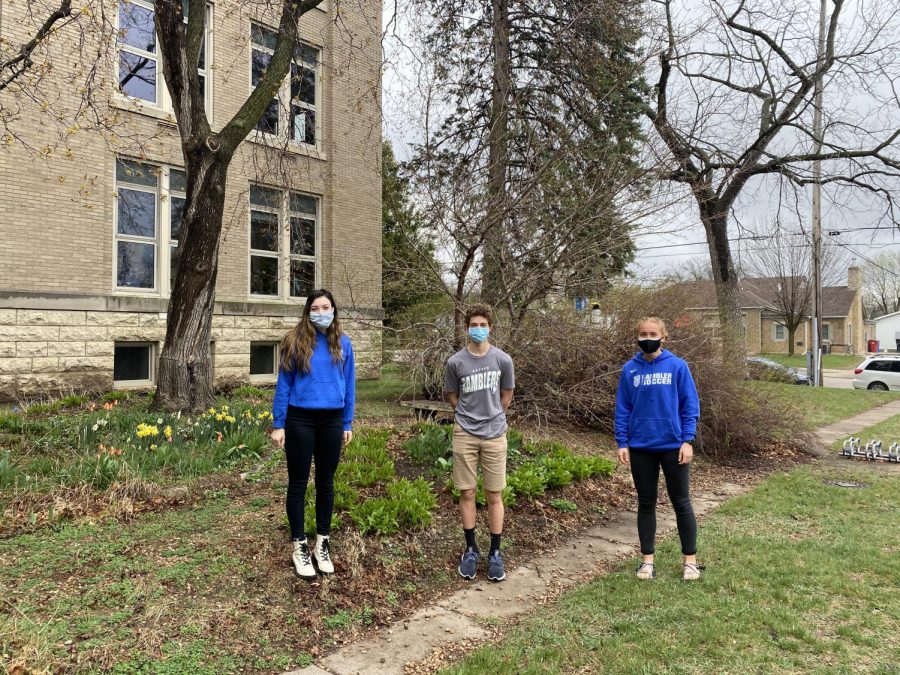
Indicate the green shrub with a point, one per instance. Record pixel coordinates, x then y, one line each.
73 400
528 481
378 515
552 449
242 444
564 505
9 473
431 443
111 396
253 393
415 501
556 471
12 423
366 461
515 440
345 496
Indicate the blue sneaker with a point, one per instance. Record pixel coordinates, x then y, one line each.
496 571
468 563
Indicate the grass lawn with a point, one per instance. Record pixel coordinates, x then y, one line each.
377 399
887 431
801 576
823 406
834 361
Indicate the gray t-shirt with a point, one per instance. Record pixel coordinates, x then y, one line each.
478 381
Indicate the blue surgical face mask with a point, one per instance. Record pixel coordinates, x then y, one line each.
479 335
323 320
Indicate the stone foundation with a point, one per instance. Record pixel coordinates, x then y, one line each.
47 352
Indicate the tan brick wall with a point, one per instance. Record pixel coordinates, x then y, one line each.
752 336
57 205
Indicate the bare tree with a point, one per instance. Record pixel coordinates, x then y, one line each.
783 266
881 284
735 101
15 62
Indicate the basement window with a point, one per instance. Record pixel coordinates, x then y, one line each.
133 364
263 359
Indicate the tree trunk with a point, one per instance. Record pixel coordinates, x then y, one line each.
492 262
185 368
715 222
792 334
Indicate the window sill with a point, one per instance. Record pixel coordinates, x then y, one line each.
134 384
264 379
143 108
275 300
276 143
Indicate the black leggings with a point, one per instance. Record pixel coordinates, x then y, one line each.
312 434
645 471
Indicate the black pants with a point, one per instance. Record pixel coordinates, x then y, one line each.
308 435
645 471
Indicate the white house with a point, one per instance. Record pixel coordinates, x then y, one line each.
887 331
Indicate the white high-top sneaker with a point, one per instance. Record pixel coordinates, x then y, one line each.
323 555
302 560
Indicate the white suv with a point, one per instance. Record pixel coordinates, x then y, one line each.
878 373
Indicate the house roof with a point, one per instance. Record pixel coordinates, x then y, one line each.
836 300
761 293
884 316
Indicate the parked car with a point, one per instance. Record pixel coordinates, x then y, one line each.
760 368
880 372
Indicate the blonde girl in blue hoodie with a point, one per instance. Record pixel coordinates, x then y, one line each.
657 409
313 419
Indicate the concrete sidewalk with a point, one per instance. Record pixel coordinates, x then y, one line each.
853 425
460 618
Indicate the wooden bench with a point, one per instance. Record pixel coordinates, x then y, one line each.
429 410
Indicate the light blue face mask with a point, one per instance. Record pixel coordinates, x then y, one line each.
479 335
323 320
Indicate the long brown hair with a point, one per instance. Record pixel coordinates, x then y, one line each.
297 346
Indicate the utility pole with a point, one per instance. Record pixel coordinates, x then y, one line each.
817 206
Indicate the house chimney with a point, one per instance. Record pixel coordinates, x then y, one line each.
854 278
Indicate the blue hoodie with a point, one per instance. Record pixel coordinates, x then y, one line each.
657 406
327 385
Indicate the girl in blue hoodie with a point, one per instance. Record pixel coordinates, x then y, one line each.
657 409
313 420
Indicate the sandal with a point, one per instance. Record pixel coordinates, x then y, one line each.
646 571
691 571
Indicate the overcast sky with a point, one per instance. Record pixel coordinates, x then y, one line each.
669 239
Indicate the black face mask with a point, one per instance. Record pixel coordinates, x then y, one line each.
649 346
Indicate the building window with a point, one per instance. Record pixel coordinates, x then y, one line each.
826 332
133 364
293 113
303 218
263 359
265 239
284 234
780 332
139 68
137 196
150 201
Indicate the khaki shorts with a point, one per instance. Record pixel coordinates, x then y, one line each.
469 451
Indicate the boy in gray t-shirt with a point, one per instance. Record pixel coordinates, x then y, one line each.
479 382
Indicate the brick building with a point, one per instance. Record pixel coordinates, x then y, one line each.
843 322
89 217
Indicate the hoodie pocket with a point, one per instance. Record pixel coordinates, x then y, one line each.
653 432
